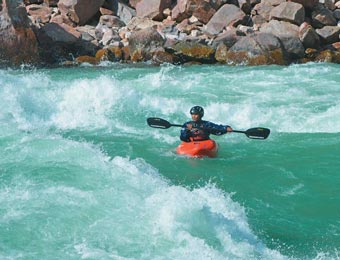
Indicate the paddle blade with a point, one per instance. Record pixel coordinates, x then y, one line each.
158 122
258 133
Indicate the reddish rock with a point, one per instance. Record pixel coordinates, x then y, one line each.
336 46
226 15
39 13
17 40
105 11
203 10
152 8
289 12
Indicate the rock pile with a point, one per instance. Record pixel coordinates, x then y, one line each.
250 32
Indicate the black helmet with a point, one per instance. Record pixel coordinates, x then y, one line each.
197 110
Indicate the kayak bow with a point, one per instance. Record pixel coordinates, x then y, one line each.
206 148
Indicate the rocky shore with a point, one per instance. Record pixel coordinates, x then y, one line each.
249 32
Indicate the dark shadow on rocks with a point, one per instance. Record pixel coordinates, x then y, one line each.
57 45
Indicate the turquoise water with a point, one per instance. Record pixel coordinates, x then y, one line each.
82 176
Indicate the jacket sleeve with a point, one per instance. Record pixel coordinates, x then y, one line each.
216 129
185 133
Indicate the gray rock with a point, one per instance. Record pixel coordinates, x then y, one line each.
256 49
329 34
322 17
309 37
125 13
228 38
288 34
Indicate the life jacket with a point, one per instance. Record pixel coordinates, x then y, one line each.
198 131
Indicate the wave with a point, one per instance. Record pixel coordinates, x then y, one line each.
281 99
74 196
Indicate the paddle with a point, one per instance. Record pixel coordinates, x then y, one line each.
159 123
253 133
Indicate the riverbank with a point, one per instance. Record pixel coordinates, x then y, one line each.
249 32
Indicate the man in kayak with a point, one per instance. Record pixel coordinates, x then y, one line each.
198 129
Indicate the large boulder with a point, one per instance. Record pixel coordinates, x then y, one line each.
79 11
256 49
288 33
143 43
289 12
17 40
227 15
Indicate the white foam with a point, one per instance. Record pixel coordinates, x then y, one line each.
193 222
86 103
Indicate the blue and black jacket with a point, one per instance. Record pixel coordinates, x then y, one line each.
201 130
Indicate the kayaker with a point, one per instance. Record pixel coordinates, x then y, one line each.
198 129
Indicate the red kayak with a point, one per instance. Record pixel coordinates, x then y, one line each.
206 148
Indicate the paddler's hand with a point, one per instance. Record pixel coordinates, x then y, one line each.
189 127
229 129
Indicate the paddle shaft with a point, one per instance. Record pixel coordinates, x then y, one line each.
234 131
254 133
238 131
